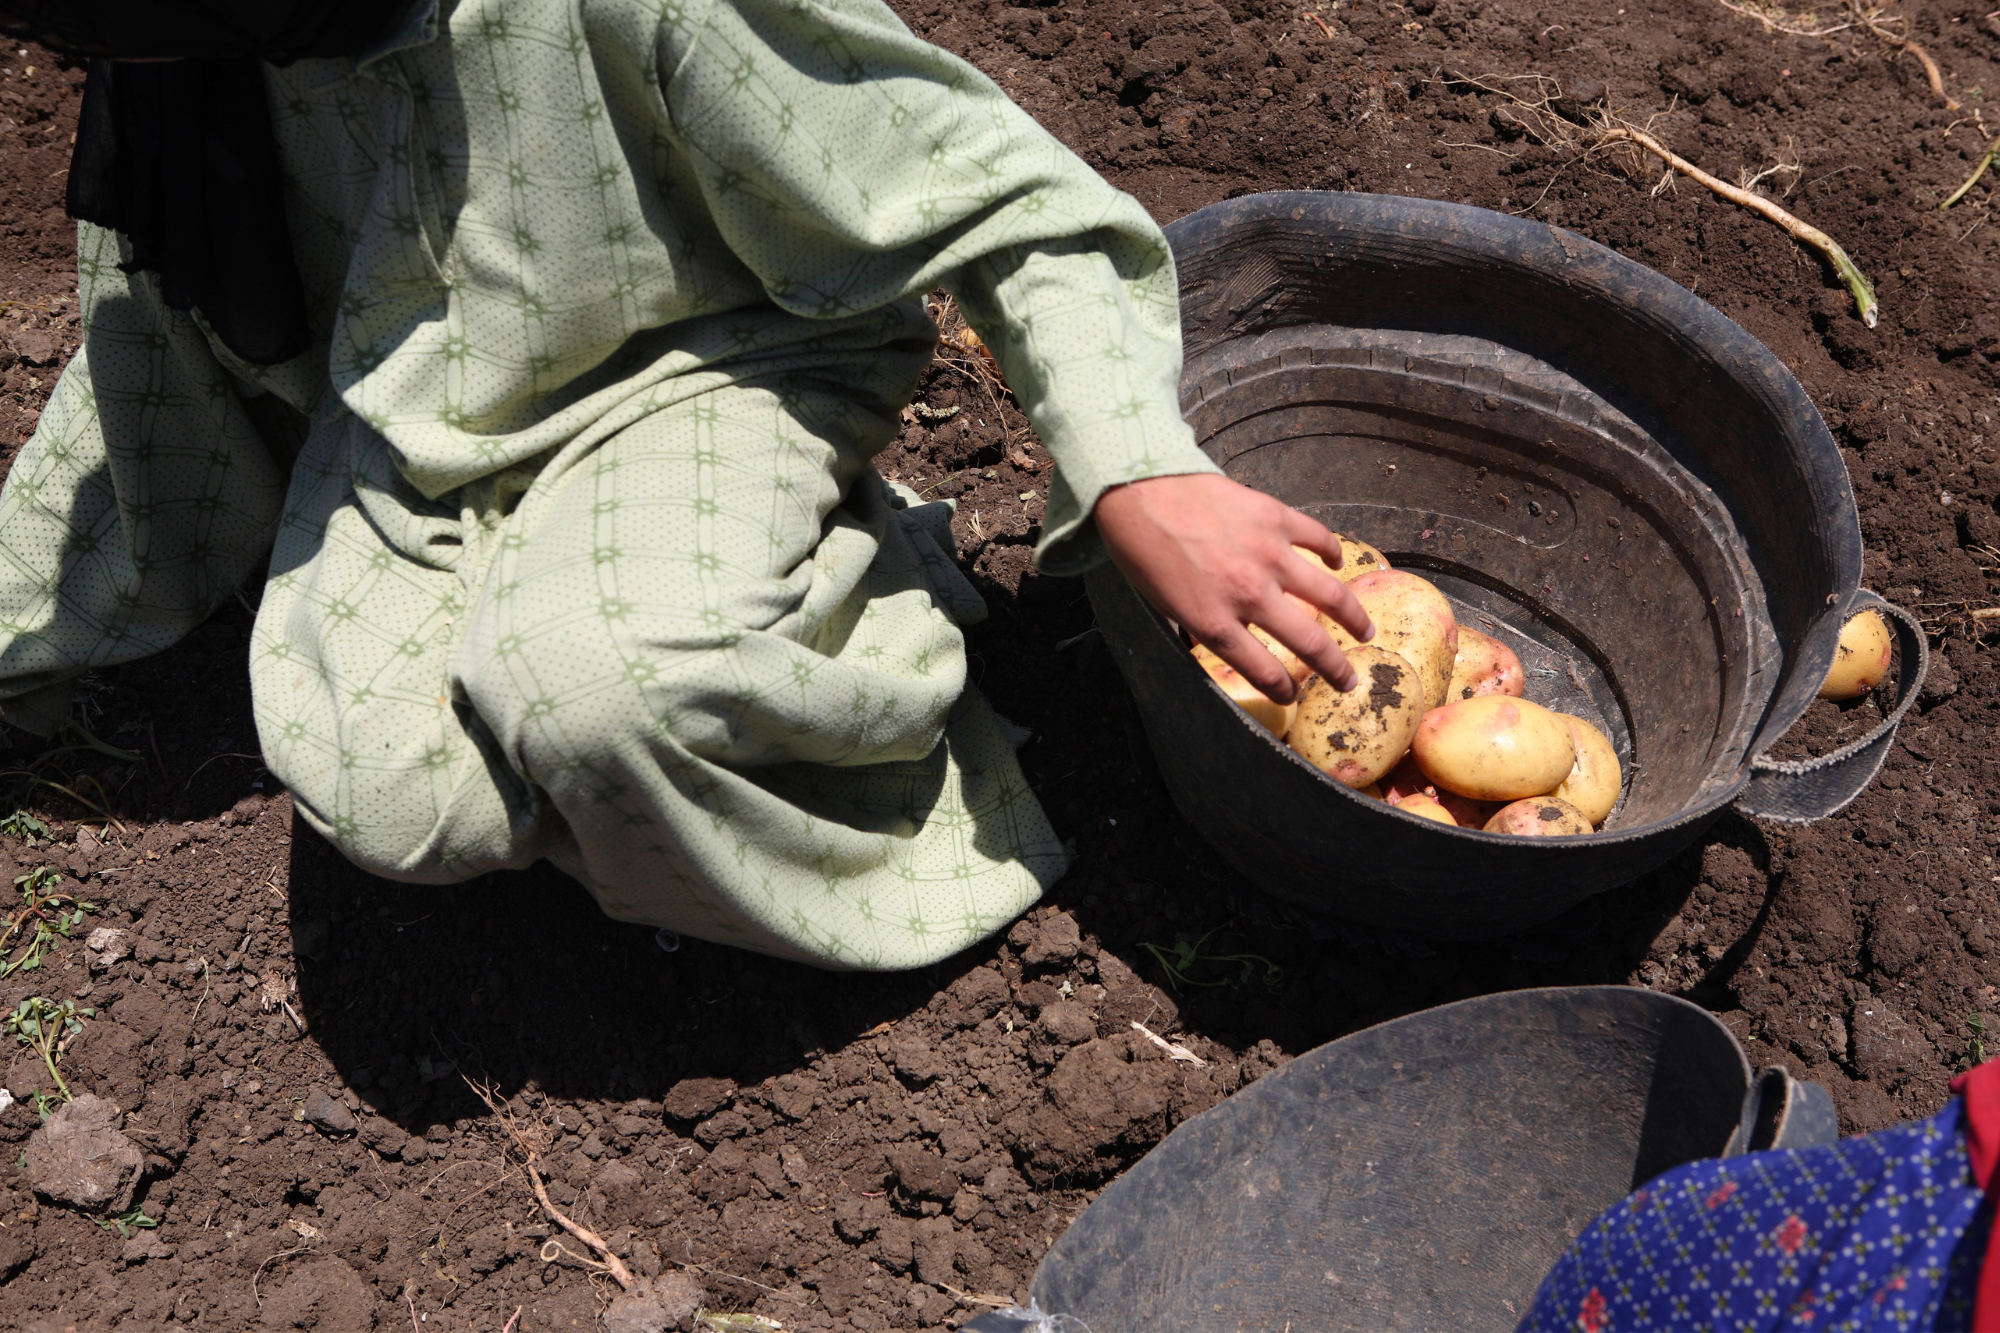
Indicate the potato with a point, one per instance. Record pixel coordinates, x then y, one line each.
1295 666
1356 558
1356 737
1484 665
1275 718
1861 659
1494 748
1425 807
1539 817
1592 785
1466 812
1413 620
1405 779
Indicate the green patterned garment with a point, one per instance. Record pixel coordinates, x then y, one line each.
582 556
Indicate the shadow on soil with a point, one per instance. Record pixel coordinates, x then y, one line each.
518 979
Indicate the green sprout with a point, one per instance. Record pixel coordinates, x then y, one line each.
46 916
24 826
1183 958
1975 1054
47 1027
133 1219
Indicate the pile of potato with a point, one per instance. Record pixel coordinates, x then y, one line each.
1437 726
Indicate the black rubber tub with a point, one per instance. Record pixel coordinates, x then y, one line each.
1423 1174
1594 465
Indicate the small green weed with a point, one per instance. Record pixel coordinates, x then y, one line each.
1180 961
24 826
47 1027
45 917
1975 1051
127 1222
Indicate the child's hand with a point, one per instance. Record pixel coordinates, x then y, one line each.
1216 557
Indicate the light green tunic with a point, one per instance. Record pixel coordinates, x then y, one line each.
582 556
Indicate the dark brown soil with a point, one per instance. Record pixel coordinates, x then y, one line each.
877 1152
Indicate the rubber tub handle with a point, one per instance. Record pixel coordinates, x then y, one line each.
1780 1111
1798 791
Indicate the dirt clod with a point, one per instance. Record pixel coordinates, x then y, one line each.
79 1157
655 1305
327 1112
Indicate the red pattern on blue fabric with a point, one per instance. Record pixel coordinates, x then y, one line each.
1886 1231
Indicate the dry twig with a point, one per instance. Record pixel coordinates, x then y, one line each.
1869 19
1763 14
1857 282
1174 1050
530 1159
1537 117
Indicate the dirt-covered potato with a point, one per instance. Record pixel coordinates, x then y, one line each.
1494 748
1356 558
1861 659
1539 817
1592 785
1484 665
1413 620
1425 806
1275 718
1358 736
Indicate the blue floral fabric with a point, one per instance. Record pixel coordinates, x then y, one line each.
1884 1231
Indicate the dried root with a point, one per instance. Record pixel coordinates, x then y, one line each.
1871 20
1775 19
1857 282
525 1144
1535 114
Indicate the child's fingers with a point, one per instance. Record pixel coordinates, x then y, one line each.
1329 594
1300 530
1253 661
1292 623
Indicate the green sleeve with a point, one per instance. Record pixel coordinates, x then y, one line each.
849 164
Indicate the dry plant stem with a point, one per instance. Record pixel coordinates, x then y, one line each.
1857 282
1772 25
1931 71
612 1263
509 1328
1973 179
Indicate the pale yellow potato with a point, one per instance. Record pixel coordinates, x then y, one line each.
1539 817
1425 806
1484 665
1494 748
1275 718
1356 737
1295 666
1861 659
1356 558
1592 785
1412 619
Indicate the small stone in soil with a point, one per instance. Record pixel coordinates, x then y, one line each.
327 1113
